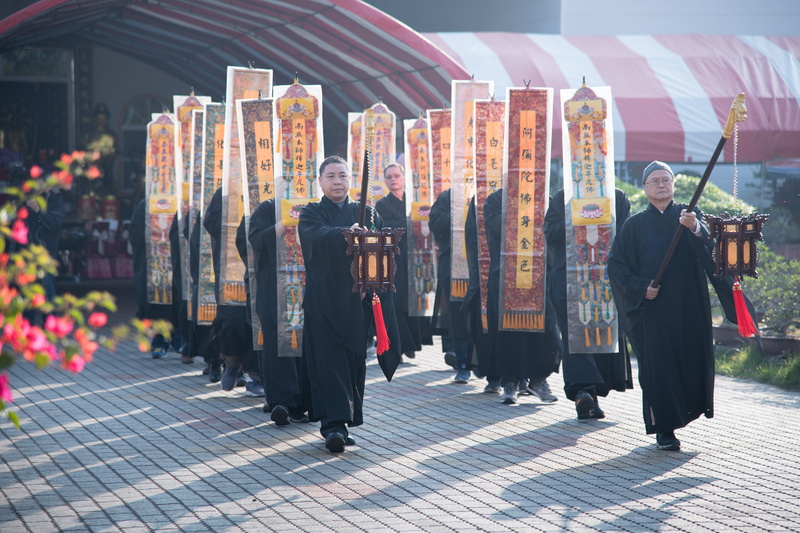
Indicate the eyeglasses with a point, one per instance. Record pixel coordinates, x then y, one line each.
659 181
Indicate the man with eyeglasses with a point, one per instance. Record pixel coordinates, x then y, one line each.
669 326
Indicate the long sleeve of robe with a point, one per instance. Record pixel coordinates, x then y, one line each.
671 334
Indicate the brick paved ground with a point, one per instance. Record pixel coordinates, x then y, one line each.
135 444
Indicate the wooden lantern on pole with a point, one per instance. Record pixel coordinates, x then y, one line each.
735 251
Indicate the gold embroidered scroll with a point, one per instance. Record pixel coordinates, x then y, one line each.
462 179
195 177
526 186
243 83
419 198
299 151
590 221
489 145
212 161
255 119
162 203
184 106
439 122
384 151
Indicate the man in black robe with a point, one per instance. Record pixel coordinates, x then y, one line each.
159 345
669 326
392 209
447 317
280 375
586 376
517 355
336 320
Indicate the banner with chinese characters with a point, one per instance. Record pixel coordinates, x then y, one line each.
462 177
162 202
195 178
439 147
489 126
184 106
419 198
243 83
590 218
211 180
384 151
526 188
255 119
298 152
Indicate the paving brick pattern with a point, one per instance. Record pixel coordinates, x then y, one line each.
134 444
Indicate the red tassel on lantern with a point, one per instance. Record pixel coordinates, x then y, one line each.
745 322
380 325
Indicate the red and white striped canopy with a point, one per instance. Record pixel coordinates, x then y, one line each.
671 94
356 52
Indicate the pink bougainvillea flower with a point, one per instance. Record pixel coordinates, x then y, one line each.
78 154
36 171
19 232
97 320
59 325
24 278
37 300
75 363
22 213
5 390
37 341
66 159
93 172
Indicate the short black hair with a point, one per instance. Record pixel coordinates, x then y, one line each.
333 159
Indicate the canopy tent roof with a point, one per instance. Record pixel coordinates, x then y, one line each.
671 94
356 52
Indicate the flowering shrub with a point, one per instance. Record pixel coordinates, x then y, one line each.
70 334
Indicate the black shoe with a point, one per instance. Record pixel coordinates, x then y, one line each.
207 369
450 359
410 355
240 381
187 359
266 407
335 442
298 418
349 441
215 373
667 441
596 412
280 415
583 405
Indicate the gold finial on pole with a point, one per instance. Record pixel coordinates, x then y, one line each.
738 113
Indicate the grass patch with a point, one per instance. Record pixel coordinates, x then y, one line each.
747 362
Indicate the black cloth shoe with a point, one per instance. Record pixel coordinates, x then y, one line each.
215 373
450 360
583 405
667 441
410 355
280 415
207 369
298 417
266 407
349 441
335 442
596 412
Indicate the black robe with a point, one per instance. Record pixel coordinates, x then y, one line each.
393 212
336 320
279 375
516 355
479 340
671 334
599 373
138 244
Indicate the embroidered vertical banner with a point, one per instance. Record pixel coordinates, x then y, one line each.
299 150
384 150
590 218
162 203
184 106
355 151
419 198
258 179
243 83
526 186
195 177
462 178
211 180
439 148
489 137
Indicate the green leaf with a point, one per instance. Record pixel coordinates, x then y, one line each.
14 418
